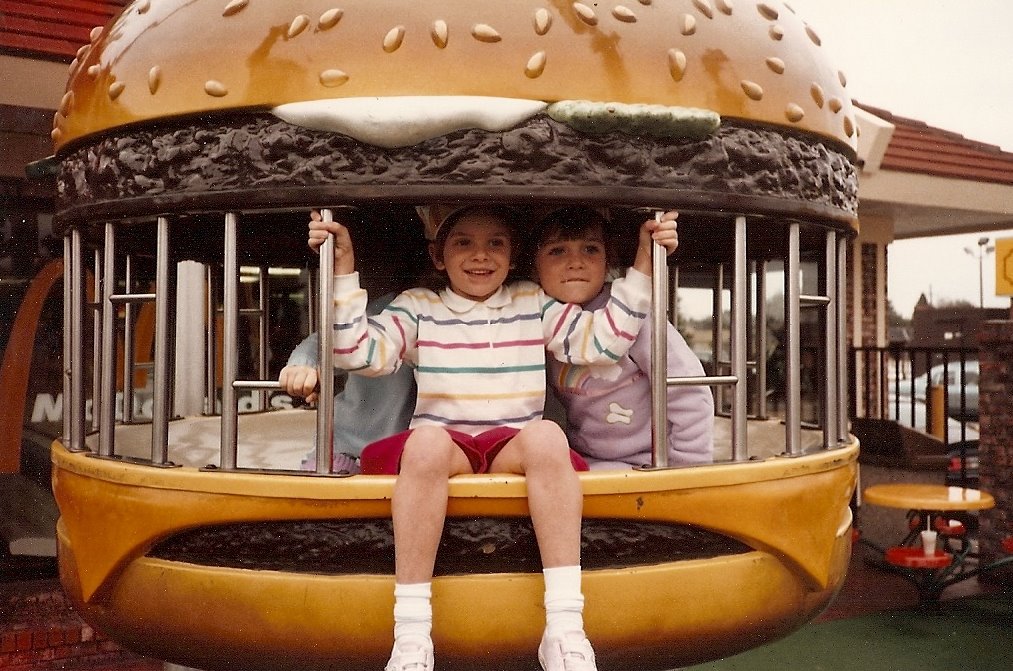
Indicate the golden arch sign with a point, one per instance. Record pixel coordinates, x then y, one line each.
1004 267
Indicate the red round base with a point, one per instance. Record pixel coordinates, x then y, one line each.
916 558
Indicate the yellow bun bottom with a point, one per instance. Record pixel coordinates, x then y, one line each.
793 512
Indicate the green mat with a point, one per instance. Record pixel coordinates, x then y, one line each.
973 634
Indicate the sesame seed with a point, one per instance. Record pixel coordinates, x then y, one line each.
330 18
585 13
215 88
440 33
752 89
483 32
543 21
154 79
705 8
234 7
298 25
393 39
332 78
536 65
676 64
776 65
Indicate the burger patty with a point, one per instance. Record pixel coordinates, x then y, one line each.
468 546
256 161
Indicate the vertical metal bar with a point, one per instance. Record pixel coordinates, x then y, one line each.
842 337
96 343
793 353
211 344
830 437
325 353
128 343
752 354
76 409
161 398
68 301
740 451
659 354
716 334
264 302
230 330
761 338
107 406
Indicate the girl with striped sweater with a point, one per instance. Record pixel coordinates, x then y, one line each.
478 351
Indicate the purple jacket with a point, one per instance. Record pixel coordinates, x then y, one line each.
609 421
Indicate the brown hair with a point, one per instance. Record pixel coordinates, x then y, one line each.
570 223
437 279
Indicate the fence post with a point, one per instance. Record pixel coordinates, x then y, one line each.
995 447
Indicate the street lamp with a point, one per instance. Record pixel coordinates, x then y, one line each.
982 250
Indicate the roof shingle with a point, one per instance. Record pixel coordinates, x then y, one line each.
920 148
52 29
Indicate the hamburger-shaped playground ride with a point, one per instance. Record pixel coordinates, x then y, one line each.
203 131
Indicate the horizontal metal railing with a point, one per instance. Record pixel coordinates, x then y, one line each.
897 382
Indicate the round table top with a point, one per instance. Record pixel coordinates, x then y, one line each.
927 497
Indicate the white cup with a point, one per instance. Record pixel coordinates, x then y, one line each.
929 543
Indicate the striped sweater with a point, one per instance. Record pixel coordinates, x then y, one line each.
480 365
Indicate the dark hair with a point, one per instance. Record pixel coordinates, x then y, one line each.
570 223
437 279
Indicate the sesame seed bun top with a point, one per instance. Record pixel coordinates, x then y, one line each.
743 59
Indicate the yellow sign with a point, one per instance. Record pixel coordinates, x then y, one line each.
1004 267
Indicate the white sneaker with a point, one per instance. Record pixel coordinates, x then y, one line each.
411 653
569 652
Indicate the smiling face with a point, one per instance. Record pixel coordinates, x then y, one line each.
475 254
572 270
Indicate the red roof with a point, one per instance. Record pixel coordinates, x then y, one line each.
920 148
53 29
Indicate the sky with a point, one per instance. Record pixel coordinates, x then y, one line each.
948 63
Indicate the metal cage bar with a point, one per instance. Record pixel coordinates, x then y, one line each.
96 343
210 341
325 353
106 408
68 299
830 437
761 340
737 337
230 330
161 409
659 355
76 366
128 343
717 331
793 353
264 306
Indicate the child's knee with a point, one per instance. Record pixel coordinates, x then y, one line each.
429 449
545 445
545 431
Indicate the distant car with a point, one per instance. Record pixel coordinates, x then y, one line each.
968 475
916 388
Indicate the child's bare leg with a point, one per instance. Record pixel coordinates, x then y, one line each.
540 451
419 504
419 507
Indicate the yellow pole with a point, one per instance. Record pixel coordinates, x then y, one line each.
937 410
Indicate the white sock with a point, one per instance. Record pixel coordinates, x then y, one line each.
564 602
413 610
